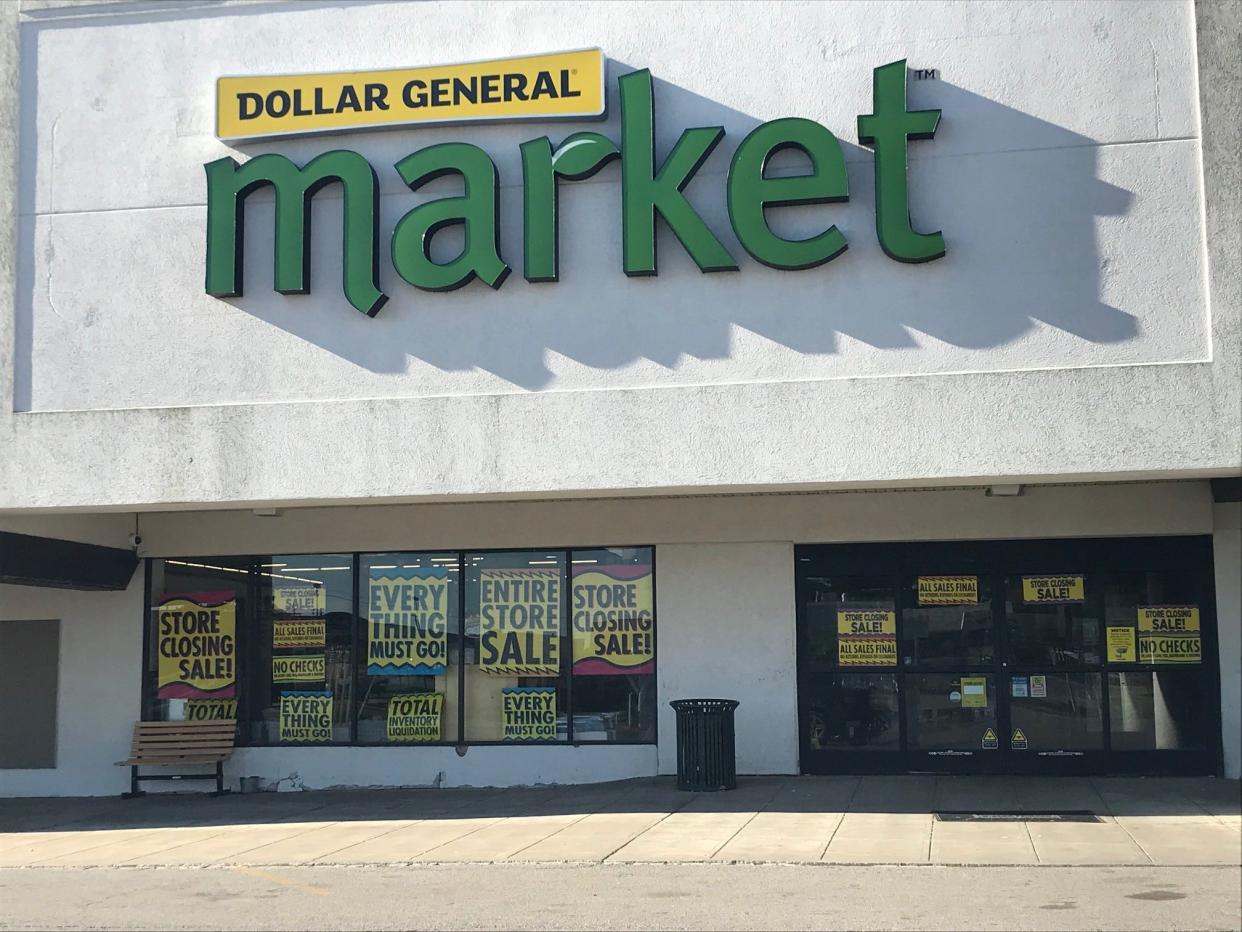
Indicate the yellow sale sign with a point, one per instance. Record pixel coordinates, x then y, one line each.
1169 634
556 86
1053 590
197 644
948 590
613 619
866 638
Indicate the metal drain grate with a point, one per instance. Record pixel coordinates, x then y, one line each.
1014 815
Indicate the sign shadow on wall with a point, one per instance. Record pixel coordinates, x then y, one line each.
1018 199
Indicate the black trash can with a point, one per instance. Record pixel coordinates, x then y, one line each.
706 752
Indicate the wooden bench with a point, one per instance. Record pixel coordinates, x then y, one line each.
169 744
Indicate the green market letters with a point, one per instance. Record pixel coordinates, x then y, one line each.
647 189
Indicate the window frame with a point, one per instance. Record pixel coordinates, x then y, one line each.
246 626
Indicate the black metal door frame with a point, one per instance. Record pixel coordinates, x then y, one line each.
997 560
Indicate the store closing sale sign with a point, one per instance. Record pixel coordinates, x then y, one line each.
520 622
407 622
1053 590
197 645
528 713
306 716
866 638
613 619
1169 634
305 601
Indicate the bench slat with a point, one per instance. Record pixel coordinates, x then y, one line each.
176 742
173 743
158 727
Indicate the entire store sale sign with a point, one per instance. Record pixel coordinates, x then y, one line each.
549 87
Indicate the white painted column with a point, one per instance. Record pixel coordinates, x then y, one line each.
726 631
1227 547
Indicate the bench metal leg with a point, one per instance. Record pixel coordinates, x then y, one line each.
220 790
133 785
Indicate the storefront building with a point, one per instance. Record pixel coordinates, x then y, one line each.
876 365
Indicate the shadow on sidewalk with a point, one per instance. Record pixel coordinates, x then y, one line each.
1115 796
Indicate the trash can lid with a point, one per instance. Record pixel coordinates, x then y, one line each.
704 705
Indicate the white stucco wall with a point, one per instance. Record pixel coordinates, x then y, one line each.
99 690
1070 316
726 617
1227 551
725 595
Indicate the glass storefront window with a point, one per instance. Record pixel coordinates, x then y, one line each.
303 650
1051 633
1157 710
947 620
200 610
612 617
853 712
1058 711
299 653
946 711
1152 618
408 648
851 622
514 641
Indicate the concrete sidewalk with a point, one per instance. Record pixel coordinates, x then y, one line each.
842 820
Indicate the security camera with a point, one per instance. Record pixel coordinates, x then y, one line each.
135 541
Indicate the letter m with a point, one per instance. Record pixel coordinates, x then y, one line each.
228 186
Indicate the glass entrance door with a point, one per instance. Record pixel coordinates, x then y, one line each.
1008 657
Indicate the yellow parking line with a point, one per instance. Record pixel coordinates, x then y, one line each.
277 879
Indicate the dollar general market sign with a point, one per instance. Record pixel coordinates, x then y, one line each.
563 86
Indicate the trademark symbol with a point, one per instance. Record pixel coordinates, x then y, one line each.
927 74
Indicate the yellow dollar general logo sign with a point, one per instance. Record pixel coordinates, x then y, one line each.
560 85
866 638
948 590
1053 589
1169 634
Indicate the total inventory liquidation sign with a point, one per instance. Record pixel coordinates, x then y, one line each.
306 716
1169 634
866 638
529 713
613 619
414 717
197 645
407 622
210 710
520 622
